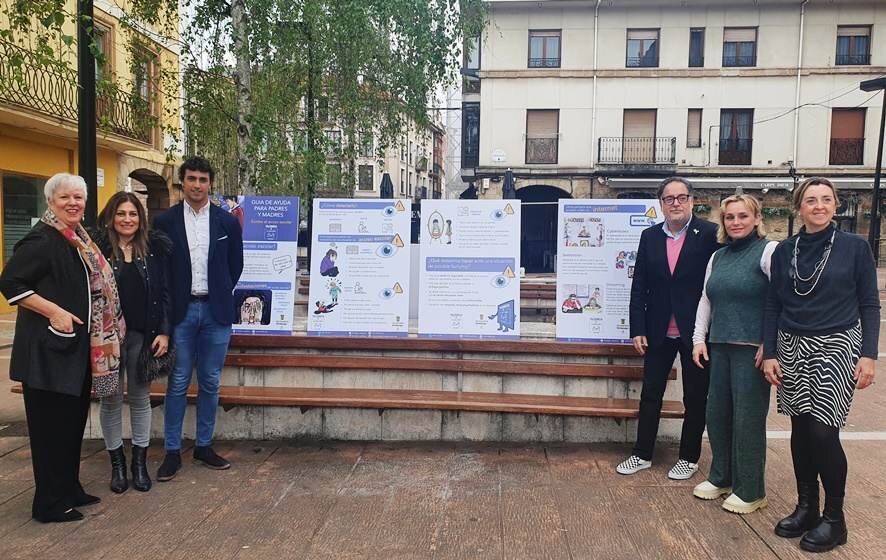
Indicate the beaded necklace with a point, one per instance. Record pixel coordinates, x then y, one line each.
817 271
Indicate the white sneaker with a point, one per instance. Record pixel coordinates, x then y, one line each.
632 465
736 505
683 470
707 491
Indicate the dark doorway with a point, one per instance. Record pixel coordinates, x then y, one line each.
154 190
538 237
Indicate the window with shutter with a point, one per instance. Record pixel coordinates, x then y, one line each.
740 46
693 128
542 135
847 136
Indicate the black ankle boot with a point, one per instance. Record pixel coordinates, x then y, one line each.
141 481
119 484
805 515
830 531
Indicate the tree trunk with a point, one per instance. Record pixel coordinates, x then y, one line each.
243 84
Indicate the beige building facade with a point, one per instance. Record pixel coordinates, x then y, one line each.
603 99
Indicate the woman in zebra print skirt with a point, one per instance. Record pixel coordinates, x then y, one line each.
820 342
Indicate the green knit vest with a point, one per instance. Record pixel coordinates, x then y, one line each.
737 290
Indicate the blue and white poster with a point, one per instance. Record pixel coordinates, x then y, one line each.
265 296
470 263
360 259
596 254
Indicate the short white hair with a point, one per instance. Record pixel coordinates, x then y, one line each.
64 180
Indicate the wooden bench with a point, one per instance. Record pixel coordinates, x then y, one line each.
383 399
446 356
493 367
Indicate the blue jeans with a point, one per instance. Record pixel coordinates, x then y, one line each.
198 338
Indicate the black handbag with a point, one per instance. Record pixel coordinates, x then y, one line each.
155 367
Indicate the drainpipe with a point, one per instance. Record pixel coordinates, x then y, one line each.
799 71
594 99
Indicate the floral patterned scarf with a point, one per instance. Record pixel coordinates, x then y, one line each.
107 327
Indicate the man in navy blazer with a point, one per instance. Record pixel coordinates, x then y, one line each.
206 263
667 284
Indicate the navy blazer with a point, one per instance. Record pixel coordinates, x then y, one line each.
225 261
656 294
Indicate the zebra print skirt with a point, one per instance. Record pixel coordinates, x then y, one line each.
818 374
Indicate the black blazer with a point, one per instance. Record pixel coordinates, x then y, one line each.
656 294
225 261
153 270
44 263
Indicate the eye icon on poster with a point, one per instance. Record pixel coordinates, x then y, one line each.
386 250
500 281
389 210
387 293
498 214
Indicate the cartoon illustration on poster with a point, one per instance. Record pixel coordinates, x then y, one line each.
360 275
595 266
470 258
265 296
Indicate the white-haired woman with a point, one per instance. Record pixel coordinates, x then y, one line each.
67 342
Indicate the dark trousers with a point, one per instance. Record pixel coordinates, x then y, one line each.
55 426
657 365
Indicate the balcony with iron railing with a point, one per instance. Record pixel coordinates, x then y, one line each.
853 59
847 151
542 148
735 151
620 150
544 62
52 91
739 60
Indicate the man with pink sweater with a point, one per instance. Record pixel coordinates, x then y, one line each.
668 280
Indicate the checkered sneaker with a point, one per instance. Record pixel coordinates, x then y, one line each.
683 470
632 465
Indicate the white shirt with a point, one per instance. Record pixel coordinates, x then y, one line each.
197 229
703 314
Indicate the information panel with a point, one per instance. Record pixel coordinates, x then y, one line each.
597 251
470 262
360 258
265 296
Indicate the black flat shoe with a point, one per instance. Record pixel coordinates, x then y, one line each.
207 457
172 463
85 499
61 517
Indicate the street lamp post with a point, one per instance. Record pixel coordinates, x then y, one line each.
86 128
876 84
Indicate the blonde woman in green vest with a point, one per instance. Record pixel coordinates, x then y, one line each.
730 319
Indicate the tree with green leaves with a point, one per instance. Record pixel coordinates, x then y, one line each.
264 80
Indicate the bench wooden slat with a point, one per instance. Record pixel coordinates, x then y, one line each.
503 367
436 400
433 344
424 400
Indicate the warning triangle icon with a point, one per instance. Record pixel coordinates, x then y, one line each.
508 272
398 289
397 241
399 206
651 213
509 209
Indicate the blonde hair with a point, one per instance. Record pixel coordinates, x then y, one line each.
753 205
800 191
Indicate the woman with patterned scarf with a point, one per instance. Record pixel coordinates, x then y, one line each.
67 342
